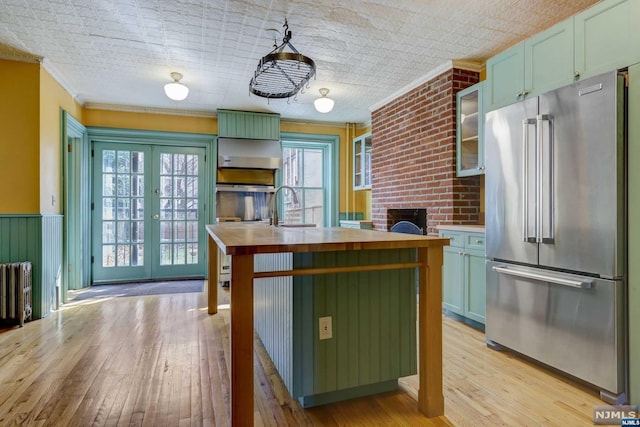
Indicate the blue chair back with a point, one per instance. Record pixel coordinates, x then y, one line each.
406 227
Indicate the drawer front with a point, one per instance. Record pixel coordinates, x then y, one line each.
348 225
474 241
456 238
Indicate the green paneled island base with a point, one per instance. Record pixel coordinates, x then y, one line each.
363 281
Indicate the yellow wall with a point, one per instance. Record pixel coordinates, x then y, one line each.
30 162
150 121
53 98
19 147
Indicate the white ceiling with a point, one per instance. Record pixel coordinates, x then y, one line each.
120 52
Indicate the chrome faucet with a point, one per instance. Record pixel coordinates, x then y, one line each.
274 204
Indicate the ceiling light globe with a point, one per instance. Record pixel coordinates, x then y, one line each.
176 91
324 104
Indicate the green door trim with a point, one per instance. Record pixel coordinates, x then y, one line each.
174 139
75 202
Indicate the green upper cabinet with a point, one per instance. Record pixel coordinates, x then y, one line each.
600 39
606 37
548 59
539 64
505 78
469 125
362 162
245 124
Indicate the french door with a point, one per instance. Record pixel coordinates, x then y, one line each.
148 212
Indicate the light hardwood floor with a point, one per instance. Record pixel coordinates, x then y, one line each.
163 361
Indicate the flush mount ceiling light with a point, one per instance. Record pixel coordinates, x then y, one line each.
176 90
282 74
323 104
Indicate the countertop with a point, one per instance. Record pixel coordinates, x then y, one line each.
469 228
244 239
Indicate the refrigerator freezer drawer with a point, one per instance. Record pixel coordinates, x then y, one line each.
572 323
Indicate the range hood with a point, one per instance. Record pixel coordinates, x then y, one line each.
249 153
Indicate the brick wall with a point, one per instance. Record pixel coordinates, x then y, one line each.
414 155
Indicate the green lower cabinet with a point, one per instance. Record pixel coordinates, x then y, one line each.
463 275
452 291
475 285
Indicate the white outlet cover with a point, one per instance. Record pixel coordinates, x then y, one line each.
325 329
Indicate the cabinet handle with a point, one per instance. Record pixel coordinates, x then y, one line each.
518 95
525 92
576 74
479 242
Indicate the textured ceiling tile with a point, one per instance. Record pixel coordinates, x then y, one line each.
364 49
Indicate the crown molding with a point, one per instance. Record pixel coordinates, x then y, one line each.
318 123
193 113
445 66
414 84
469 65
11 54
57 76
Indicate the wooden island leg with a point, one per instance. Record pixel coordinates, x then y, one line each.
430 396
212 302
241 340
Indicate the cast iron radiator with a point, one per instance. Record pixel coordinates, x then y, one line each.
15 292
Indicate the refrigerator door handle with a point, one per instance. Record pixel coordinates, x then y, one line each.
525 179
564 279
544 125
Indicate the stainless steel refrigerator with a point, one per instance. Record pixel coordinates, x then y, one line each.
556 230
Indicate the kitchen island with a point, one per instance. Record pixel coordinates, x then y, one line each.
244 241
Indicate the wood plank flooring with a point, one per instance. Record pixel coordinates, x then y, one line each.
161 360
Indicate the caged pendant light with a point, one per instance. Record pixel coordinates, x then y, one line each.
282 74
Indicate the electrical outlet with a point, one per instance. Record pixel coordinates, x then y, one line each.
324 324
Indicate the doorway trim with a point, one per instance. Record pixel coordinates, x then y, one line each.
162 138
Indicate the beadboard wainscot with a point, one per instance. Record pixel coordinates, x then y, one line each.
363 279
36 238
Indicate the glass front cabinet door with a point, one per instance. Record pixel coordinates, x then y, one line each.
362 162
469 131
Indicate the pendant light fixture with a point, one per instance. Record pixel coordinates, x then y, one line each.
323 104
282 74
176 90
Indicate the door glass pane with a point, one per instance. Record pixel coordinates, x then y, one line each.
192 253
122 178
179 209
165 254
108 232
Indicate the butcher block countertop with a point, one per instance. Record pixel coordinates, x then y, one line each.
256 238
242 241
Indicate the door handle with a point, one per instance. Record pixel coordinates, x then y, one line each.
571 280
525 178
544 233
